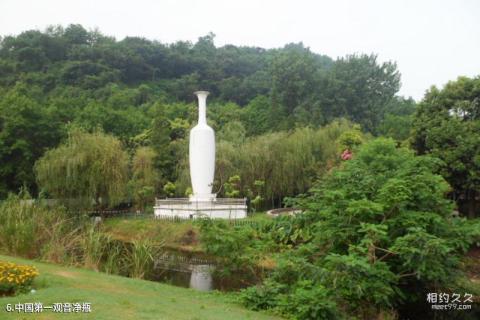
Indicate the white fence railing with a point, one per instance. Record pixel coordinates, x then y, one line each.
187 201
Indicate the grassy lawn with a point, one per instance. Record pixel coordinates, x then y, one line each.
114 297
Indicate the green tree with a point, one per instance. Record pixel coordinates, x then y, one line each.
145 177
256 116
296 74
169 189
27 130
233 132
447 126
160 142
398 120
255 195
89 167
232 187
360 88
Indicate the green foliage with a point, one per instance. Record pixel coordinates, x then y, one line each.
351 139
160 141
122 122
88 166
141 257
169 189
309 301
295 74
27 130
27 226
398 120
358 282
361 89
233 132
289 230
33 229
256 197
238 248
447 126
261 297
306 300
144 177
257 117
380 227
94 245
231 186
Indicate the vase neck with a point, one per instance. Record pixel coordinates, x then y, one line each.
202 106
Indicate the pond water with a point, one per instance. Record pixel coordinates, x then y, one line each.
199 278
195 271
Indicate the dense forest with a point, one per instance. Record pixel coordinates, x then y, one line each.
60 83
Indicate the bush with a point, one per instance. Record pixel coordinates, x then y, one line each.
305 300
262 297
309 301
16 278
237 248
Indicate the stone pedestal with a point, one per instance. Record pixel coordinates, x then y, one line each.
183 208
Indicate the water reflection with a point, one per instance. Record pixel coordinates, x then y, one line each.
196 271
201 278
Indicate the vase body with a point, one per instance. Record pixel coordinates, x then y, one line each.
202 153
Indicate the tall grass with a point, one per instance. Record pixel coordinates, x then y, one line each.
94 245
141 258
114 262
28 227
64 245
33 230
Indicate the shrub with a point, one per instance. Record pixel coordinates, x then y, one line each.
304 300
309 301
234 246
16 278
262 297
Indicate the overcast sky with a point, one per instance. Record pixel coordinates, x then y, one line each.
431 41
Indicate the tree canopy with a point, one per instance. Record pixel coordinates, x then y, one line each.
447 126
92 167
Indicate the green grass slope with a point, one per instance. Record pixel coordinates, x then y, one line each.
114 297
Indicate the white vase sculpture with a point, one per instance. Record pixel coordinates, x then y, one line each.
202 153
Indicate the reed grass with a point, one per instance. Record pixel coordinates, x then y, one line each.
32 230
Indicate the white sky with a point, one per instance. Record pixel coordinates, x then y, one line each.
431 41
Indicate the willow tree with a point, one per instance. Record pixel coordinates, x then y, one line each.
90 169
145 177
